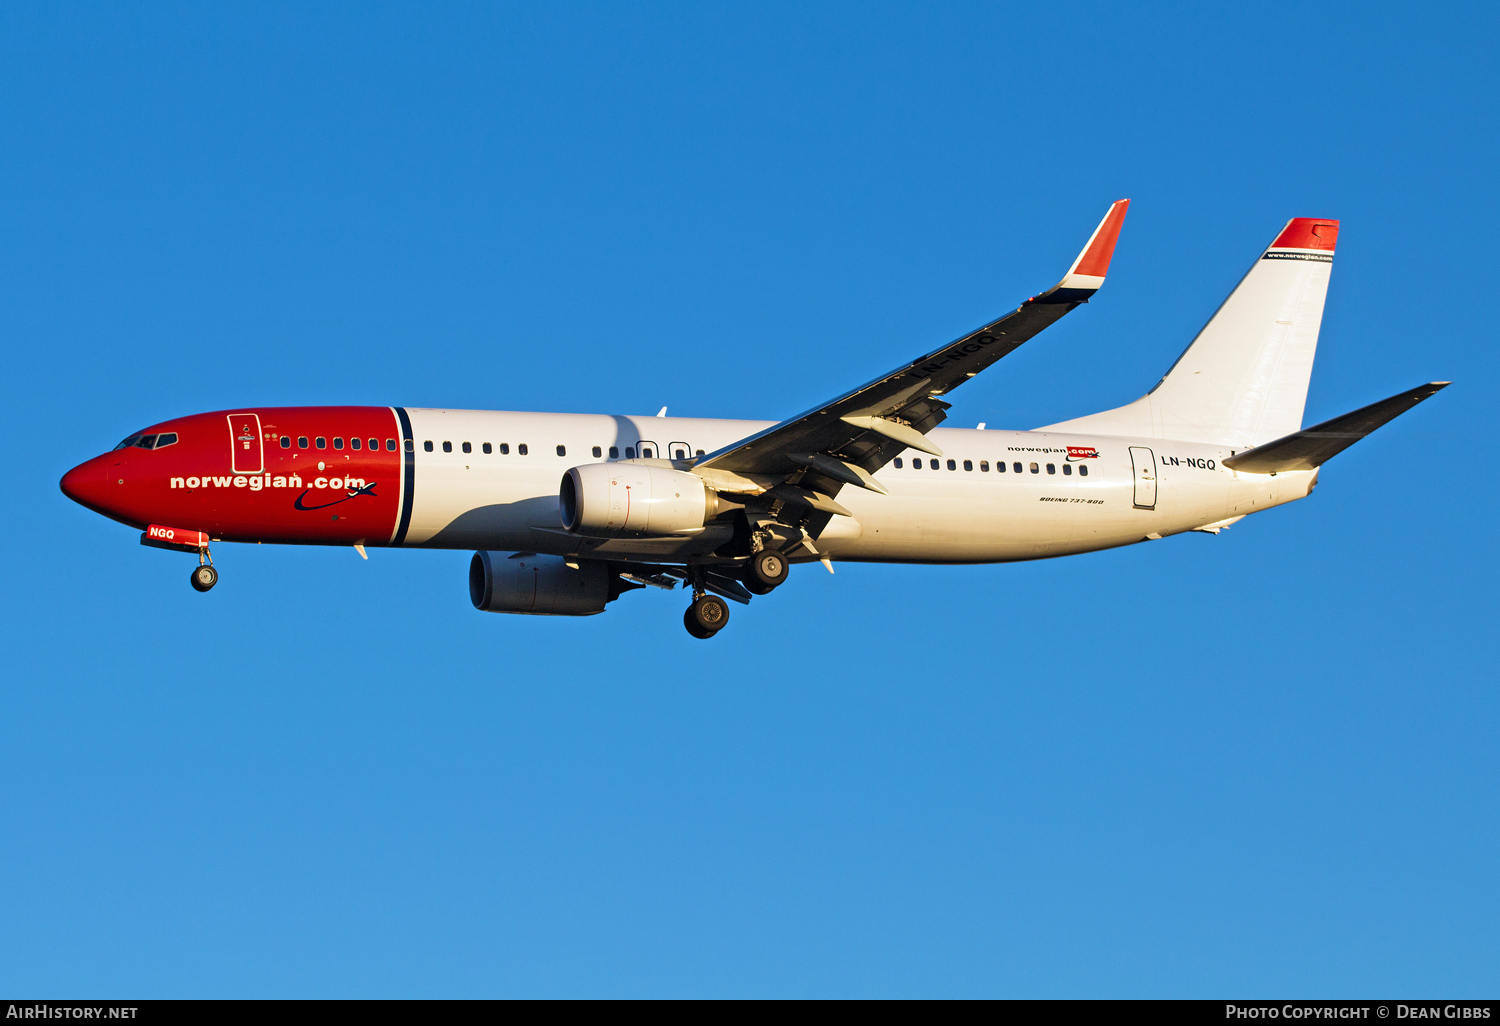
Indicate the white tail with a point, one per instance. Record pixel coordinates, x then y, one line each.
1243 380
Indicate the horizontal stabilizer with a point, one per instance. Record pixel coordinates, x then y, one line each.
1305 450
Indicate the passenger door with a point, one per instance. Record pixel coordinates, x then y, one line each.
1143 462
246 454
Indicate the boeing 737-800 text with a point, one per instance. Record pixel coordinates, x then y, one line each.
569 511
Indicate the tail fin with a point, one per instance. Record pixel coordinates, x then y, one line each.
1243 380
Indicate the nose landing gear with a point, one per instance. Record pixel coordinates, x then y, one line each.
176 539
204 577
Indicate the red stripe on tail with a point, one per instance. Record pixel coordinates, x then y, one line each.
1308 233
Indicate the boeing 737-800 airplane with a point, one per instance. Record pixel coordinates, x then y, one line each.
727 506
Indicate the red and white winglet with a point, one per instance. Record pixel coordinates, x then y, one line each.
1305 238
1087 273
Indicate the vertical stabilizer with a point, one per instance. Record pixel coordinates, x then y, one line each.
1243 380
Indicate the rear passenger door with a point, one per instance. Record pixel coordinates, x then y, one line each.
1143 467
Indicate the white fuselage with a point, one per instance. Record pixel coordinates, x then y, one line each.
1134 489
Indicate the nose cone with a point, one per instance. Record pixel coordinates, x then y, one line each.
85 484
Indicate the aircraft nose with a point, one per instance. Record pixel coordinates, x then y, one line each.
85 483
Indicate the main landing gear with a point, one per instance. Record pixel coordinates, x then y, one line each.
709 613
766 570
706 616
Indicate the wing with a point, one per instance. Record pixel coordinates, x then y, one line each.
860 431
1304 450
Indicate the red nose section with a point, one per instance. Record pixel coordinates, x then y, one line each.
85 484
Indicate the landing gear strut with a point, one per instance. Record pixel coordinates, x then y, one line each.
708 614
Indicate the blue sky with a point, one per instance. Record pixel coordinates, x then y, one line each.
1259 764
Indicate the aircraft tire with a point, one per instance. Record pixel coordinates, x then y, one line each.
768 568
754 586
692 625
708 613
203 577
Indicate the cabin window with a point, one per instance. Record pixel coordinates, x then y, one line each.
1035 469
700 452
375 445
447 446
390 445
936 465
968 464
286 441
302 441
338 443
679 454
504 448
427 446
521 450
562 450
898 462
466 447
647 453
999 467
598 452
984 466
614 452
322 442
355 443
1052 468
630 452
1017 467
1083 471
1067 470
952 465
409 448
487 448
916 464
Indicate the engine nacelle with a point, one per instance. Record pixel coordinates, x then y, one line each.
540 585
609 500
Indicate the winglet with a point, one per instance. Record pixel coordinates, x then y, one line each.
1087 273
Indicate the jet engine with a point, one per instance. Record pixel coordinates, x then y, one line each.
608 500
524 582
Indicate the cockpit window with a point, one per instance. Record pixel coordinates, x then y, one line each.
146 441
